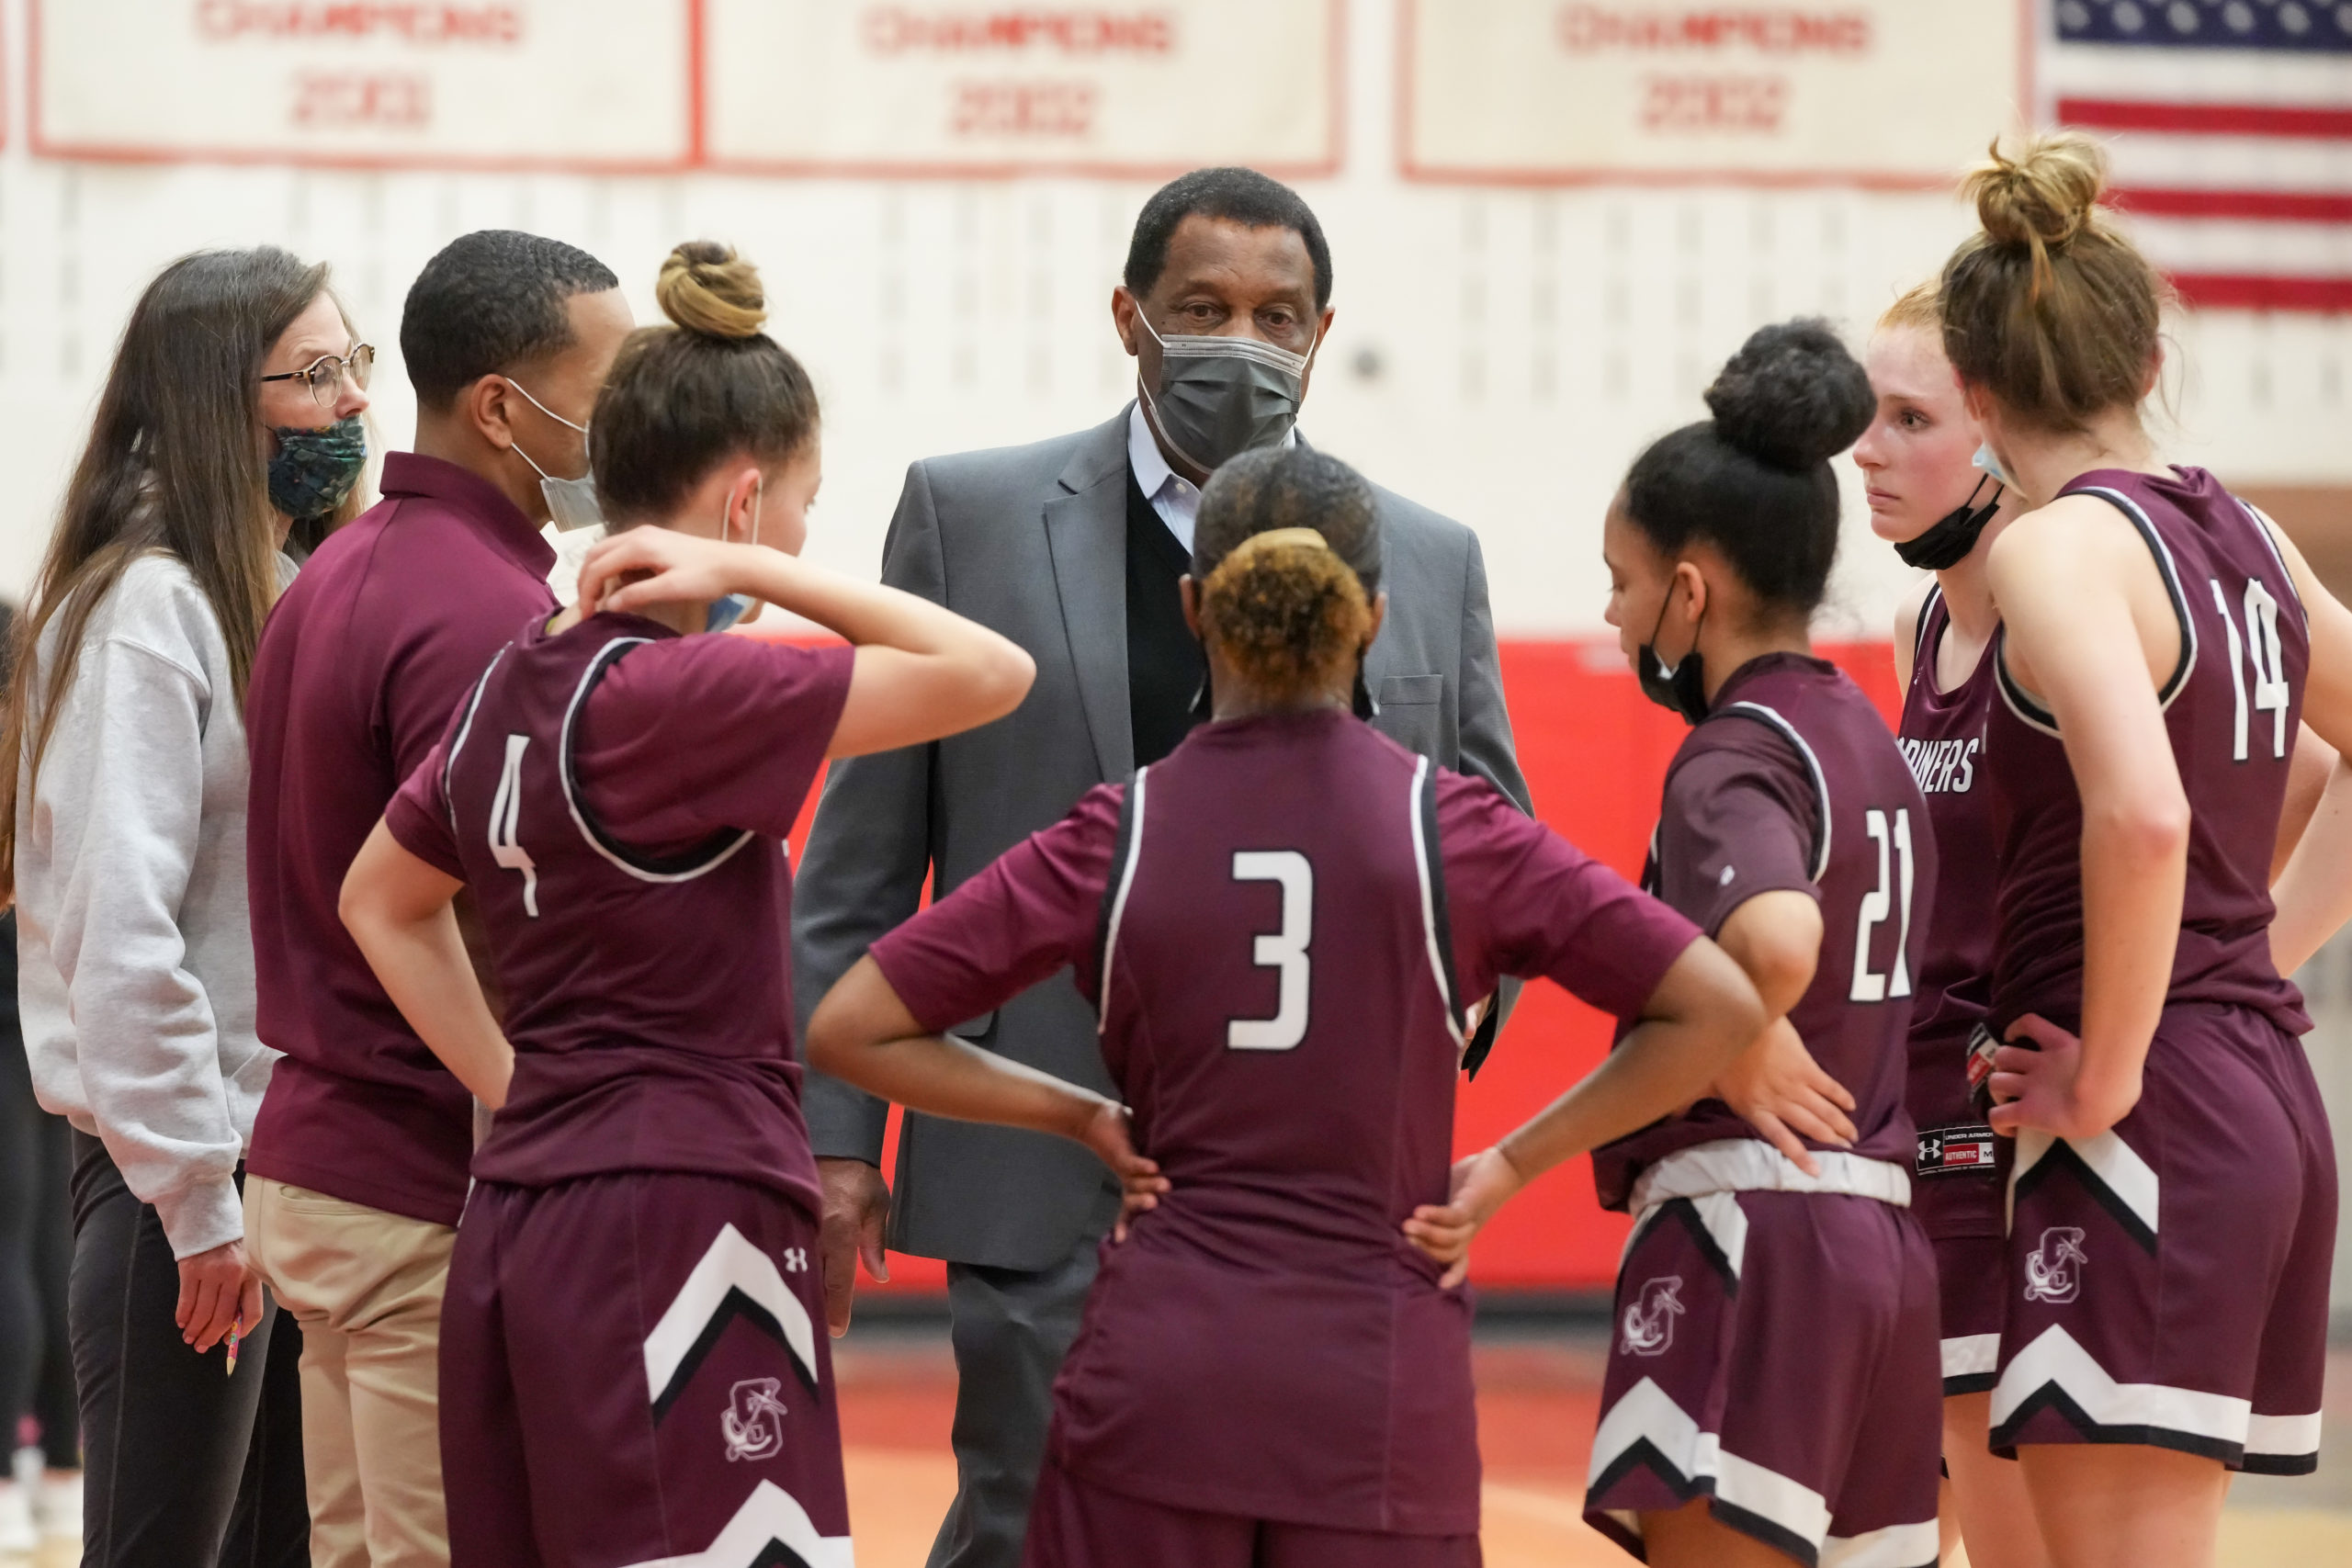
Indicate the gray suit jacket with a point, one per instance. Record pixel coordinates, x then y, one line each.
1031 541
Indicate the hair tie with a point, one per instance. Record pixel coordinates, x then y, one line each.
1273 538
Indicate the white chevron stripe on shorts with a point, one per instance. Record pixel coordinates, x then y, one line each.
1897 1546
1972 1354
2282 1437
769 1514
2054 1357
731 1263
2115 1163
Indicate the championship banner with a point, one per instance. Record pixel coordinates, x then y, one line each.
1881 92
587 85
933 87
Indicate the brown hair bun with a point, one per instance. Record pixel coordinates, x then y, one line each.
706 288
2045 196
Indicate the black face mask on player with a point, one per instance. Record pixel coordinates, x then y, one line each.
1947 544
1681 689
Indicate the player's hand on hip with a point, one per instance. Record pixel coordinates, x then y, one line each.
1481 1183
1110 1132
1778 1089
219 1291
857 1205
2037 1081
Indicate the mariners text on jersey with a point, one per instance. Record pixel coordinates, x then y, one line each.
1942 767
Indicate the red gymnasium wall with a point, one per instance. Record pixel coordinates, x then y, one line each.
1594 750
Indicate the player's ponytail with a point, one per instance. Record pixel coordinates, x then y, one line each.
2048 307
1754 481
710 388
1286 552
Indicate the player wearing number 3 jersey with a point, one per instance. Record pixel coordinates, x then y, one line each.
1772 1386
1286 927
633 1368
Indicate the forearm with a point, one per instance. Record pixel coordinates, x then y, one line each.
424 967
941 1077
2133 871
864 614
1658 1069
2313 895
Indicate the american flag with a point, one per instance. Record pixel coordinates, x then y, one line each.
2230 125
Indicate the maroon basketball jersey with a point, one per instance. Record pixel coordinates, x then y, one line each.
1942 737
2231 705
647 995
1282 924
1793 782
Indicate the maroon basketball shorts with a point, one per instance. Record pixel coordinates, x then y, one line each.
1077 1524
2168 1280
635 1371
1958 1195
1775 1352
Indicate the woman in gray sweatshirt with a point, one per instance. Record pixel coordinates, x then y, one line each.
230 422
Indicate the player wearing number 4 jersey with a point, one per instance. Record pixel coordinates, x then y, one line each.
1771 1392
2172 1207
632 1370
1282 926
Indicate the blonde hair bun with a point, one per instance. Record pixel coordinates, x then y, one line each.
707 290
2043 198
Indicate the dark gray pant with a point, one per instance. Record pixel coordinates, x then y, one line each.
36 1258
185 1466
1011 1329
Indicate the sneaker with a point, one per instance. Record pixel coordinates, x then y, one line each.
57 1506
18 1536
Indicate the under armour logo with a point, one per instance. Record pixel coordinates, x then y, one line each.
2054 1272
796 1260
752 1423
1648 1323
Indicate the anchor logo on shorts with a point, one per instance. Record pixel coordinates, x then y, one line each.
2053 1273
751 1423
1648 1323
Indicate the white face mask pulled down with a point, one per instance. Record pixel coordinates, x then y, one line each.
571 503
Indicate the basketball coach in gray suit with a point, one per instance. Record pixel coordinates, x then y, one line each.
1073 547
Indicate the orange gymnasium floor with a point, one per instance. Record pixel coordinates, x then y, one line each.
1538 1394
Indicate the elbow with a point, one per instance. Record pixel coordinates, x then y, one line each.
1003 677
827 1048
2151 832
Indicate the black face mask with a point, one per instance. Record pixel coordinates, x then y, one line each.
1682 689
1948 543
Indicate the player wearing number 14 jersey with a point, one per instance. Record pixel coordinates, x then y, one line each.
1284 925
633 1367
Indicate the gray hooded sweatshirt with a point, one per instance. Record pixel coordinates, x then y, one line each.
136 978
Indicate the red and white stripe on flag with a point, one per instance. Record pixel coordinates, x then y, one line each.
2230 122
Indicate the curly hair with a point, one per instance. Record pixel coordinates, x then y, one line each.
1286 613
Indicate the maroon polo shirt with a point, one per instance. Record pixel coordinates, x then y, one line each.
386 628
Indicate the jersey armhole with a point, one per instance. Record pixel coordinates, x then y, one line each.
1437 928
684 866
458 741
2039 716
1116 883
1923 636
2269 529
1771 719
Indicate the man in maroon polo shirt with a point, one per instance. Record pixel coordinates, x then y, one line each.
358 1160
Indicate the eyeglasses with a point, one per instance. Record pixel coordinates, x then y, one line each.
325 375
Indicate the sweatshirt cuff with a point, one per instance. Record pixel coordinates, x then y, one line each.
202 1215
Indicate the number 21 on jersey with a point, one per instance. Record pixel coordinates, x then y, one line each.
1283 950
1894 841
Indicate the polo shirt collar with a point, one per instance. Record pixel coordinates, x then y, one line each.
474 500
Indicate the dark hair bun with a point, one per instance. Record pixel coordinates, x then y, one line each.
706 288
1791 397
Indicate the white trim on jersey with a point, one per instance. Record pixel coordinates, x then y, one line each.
2114 1163
768 1516
1428 901
730 1264
1972 1354
2054 1359
457 742
605 655
1119 900
2032 713
1897 1546
1813 765
1919 650
2264 525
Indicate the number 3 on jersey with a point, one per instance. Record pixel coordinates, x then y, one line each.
1283 950
1878 904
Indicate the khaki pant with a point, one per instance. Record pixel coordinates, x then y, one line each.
365 1287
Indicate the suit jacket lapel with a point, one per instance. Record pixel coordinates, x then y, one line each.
1085 533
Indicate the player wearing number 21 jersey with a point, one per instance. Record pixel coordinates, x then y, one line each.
1282 926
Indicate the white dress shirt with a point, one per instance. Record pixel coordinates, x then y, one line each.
1176 499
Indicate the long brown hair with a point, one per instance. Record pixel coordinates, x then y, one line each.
2049 306
174 465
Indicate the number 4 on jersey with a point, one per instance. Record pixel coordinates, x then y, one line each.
506 812
1284 949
